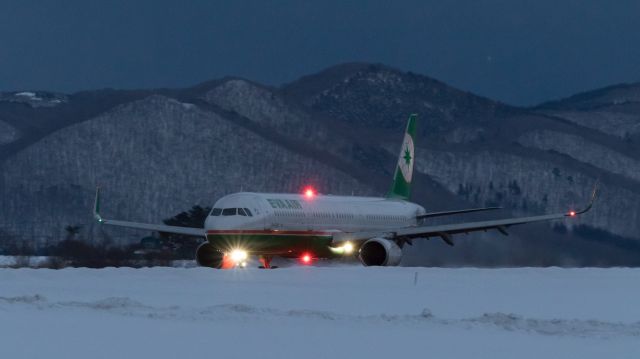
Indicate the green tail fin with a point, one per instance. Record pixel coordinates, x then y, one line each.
401 187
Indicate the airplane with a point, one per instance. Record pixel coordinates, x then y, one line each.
312 226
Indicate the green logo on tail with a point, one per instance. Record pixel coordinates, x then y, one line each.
401 186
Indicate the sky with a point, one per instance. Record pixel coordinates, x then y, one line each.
521 52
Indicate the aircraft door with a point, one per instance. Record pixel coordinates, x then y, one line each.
263 212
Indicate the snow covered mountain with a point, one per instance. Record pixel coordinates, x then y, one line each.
157 152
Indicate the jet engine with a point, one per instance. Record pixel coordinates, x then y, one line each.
208 256
380 252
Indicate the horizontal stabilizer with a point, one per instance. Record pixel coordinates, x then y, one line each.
460 211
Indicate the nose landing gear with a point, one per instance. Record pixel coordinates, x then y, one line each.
266 262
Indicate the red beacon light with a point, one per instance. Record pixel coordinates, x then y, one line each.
306 258
572 213
309 192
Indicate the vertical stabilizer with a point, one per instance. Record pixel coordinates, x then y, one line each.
401 187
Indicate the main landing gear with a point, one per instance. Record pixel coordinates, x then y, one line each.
266 262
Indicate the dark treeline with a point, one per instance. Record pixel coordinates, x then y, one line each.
77 251
81 253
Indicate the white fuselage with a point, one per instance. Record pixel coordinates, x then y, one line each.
297 212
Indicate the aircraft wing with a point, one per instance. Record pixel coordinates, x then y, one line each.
200 232
445 231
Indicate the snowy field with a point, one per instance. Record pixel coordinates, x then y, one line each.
313 312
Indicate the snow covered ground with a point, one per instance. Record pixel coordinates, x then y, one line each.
27 261
320 312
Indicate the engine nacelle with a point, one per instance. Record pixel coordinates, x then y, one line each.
208 256
380 252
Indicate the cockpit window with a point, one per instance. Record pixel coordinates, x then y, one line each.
229 212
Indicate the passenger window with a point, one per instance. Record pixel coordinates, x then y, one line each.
241 212
216 211
248 212
229 212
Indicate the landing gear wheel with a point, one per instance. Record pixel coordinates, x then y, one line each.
266 262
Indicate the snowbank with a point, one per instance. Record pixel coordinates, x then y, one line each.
320 312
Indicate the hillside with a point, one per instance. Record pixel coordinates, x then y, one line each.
157 152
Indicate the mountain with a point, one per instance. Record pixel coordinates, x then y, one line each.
158 152
8 133
614 110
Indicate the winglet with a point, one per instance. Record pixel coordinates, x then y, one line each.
96 206
594 196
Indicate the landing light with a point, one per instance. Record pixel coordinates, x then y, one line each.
238 256
348 248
